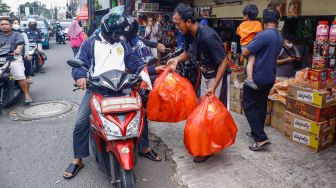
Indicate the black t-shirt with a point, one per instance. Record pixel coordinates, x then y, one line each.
207 47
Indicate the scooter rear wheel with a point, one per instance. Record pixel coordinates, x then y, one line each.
120 178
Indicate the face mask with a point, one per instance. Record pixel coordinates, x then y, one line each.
290 45
16 26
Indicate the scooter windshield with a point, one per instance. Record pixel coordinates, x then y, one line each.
116 80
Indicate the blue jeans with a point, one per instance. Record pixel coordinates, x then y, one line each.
82 129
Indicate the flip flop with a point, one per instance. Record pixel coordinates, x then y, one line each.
255 147
201 159
28 101
152 155
73 169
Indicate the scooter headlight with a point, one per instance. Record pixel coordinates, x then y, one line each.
112 131
96 104
133 127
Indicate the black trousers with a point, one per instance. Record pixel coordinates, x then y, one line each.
255 108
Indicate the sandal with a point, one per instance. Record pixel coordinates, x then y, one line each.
255 147
29 80
73 169
28 101
201 159
152 155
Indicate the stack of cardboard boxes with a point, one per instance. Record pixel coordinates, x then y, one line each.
236 89
310 116
311 102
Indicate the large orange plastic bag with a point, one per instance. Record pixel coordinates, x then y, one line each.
172 99
210 128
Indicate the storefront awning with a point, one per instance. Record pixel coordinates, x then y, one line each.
84 13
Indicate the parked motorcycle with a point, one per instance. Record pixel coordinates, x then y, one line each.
60 37
116 123
39 59
9 88
189 69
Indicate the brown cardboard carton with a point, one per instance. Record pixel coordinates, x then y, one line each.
278 108
235 106
317 79
237 77
307 139
311 112
277 121
268 119
269 106
320 99
318 129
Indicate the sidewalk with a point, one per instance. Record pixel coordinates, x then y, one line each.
284 164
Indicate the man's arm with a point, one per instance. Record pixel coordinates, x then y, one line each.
18 49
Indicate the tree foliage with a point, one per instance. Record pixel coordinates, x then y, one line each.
4 8
36 8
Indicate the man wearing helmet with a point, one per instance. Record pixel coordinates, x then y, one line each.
33 32
100 53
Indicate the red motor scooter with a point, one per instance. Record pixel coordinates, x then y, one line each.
116 123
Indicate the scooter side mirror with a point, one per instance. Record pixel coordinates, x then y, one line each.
75 63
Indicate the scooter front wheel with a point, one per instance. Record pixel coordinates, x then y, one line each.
120 178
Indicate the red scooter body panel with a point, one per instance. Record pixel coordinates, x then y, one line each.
122 149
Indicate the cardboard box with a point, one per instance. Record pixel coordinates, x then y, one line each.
236 106
317 79
307 139
268 119
237 77
331 78
269 106
236 93
311 112
320 99
318 129
278 108
278 121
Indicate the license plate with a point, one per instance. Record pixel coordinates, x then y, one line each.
119 104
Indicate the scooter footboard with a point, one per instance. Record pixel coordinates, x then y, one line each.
124 152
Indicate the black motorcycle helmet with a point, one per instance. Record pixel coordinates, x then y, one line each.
32 24
130 30
112 25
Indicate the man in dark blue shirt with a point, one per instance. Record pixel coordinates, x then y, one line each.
266 46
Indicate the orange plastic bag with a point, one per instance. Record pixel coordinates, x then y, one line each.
210 128
172 99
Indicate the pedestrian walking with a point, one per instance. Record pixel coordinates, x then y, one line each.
203 43
266 47
76 37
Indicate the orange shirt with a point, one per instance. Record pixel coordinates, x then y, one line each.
247 30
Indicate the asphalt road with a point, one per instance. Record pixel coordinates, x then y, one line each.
36 153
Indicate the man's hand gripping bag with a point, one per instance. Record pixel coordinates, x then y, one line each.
172 98
209 128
